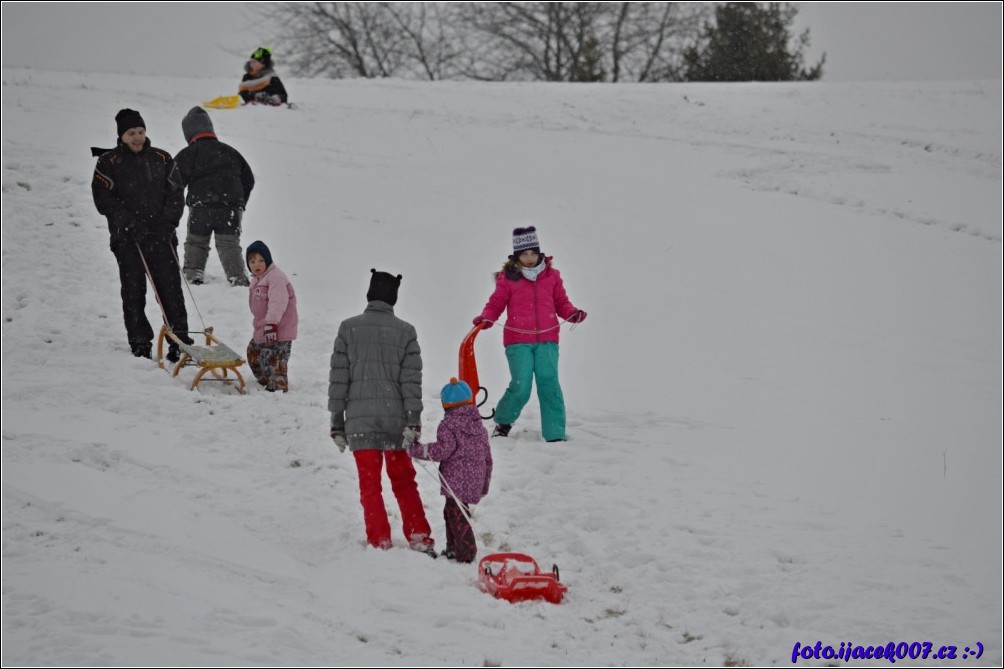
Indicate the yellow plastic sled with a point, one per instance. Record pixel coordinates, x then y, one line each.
223 102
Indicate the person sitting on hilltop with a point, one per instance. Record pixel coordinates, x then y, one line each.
260 84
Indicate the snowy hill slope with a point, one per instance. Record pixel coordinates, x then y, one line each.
784 409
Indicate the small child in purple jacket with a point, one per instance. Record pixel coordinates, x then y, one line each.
273 310
465 465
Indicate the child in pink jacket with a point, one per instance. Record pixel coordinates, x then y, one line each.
273 310
530 290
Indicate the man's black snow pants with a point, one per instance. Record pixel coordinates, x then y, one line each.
161 259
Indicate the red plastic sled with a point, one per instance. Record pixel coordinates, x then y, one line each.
516 577
468 367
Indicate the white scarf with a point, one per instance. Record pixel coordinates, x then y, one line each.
263 79
531 272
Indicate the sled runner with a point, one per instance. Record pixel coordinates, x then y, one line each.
516 577
468 371
214 358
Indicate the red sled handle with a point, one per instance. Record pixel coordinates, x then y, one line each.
468 368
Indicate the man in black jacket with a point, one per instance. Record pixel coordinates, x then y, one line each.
219 183
131 190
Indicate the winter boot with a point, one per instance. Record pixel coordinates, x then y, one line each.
141 349
501 430
423 543
196 251
423 547
232 257
173 353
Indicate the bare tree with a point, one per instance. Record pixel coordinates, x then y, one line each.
494 41
646 40
338 39
364 39
527 40
430 39
580 41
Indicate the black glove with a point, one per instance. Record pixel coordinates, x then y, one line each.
577 317
478 320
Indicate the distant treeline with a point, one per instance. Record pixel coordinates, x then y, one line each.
542 41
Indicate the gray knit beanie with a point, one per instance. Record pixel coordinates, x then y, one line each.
195 123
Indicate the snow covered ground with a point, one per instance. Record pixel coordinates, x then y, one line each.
784 408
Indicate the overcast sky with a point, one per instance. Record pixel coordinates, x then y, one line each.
885 41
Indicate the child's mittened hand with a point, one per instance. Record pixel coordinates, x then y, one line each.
478 320
420 451
271 333
577 317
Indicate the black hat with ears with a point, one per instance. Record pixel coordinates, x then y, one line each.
383 287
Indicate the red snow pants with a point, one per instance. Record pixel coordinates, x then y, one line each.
401 472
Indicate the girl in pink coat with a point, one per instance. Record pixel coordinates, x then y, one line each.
273 309
533 295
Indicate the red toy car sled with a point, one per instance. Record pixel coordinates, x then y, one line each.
516 577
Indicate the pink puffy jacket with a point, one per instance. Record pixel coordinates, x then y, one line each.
273 300
532 307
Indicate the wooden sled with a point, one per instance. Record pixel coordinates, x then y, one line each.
214 358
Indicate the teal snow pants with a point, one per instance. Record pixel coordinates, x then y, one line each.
525 362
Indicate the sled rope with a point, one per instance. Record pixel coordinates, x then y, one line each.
184 278
535 332
156 294
149 276
463 507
